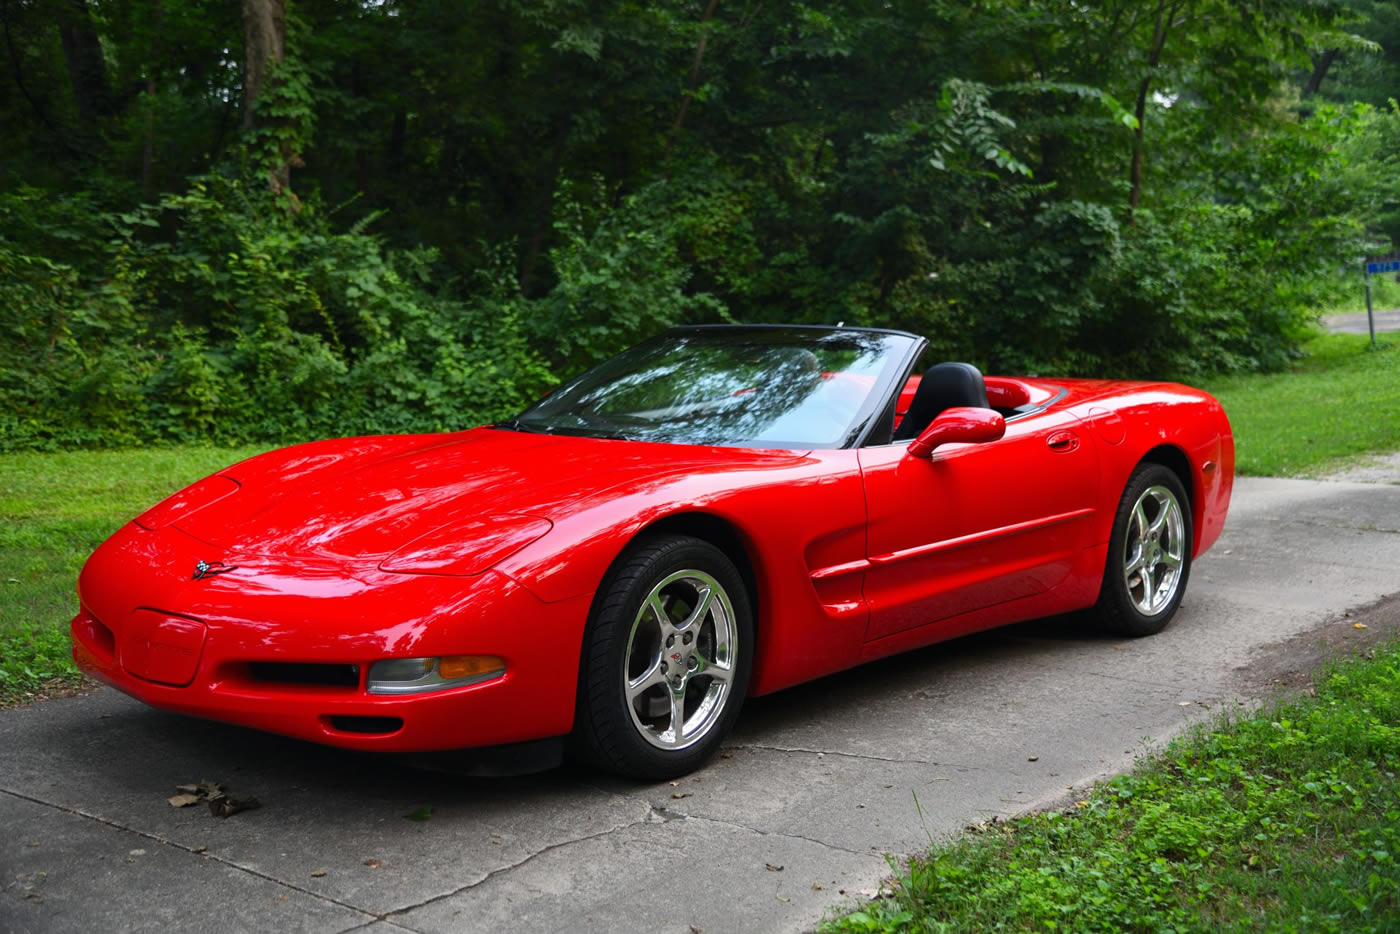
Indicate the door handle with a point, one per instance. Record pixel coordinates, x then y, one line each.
1062 442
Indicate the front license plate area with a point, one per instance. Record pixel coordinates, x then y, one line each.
162 648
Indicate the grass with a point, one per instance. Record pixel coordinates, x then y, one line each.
1340 401
54 510
1288 821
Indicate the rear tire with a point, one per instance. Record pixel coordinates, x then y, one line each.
666 659
1149 554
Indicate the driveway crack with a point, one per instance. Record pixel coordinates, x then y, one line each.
830 752
520 862
203 854
779 833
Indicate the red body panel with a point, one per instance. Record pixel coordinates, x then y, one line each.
342 553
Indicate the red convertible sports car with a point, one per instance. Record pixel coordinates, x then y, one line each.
717 512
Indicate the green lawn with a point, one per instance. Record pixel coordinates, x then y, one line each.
1340 401
54 510
1289 821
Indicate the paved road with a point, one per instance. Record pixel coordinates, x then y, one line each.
818 783
1356 323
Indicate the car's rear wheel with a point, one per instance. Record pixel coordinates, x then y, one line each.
666 659
1149 554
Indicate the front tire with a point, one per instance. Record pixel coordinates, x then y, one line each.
666 659
1149 554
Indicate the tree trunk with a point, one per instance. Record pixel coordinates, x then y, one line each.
694 80
544 209
148 149
1166 19
264 48
264 45
1320 71
1135 172
34 103
87 70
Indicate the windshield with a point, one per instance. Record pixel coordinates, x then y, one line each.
750 386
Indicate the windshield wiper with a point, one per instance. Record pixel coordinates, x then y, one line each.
581 431
516 424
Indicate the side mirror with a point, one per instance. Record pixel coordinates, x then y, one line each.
964 425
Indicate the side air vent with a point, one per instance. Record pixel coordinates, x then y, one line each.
349 724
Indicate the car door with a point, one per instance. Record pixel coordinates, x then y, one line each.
976 524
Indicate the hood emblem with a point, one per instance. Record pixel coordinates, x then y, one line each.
205 569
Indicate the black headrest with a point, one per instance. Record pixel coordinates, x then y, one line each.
943 386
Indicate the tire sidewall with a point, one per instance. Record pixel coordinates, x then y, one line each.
1116 608
604 726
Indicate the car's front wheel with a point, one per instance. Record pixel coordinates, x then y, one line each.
666 659
1149 554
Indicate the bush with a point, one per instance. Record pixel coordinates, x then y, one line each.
223 314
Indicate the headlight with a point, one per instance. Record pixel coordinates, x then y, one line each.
187 502
420 675
466 548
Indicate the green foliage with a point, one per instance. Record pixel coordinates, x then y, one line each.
522 187
1283 821
219 314
619 276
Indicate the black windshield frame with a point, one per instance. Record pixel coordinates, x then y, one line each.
895 352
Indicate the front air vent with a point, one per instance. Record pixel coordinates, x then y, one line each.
349 724
337 676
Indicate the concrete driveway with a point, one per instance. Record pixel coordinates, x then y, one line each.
796 815
1356 323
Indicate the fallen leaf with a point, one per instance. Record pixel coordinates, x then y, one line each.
680 794
1081 804
1032 758
1185 703
696 929
420 814
673 784
200 849
784 899
220 802
870 893
373 863
1359 626
224 806
771 868
817 886
317 873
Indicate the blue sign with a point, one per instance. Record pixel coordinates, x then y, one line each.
1389 265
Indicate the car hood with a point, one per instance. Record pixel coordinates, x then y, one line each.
365 498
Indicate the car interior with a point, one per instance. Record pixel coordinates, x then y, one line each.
949 385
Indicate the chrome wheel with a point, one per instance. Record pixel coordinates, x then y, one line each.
679 661
1154 550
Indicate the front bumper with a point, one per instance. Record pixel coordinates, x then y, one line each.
287 649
